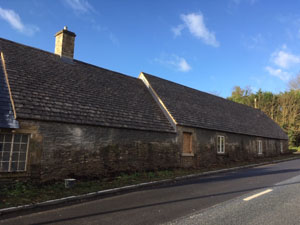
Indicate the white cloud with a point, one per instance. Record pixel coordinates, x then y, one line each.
283 75
79 6
174 62
15 21
183 65
284 59
177 30
194 22
285 62
12 18
196 26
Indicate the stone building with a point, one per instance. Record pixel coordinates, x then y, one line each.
213 130
60 117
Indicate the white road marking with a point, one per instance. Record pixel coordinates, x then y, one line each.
257 195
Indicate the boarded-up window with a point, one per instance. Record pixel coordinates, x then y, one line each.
187 143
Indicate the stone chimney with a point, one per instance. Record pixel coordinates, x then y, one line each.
64 43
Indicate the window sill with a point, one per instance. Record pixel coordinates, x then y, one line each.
13 175
187 154
221 153
9 172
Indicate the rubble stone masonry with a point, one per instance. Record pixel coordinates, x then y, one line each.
62 150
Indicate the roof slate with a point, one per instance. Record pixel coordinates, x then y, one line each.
46 87
190 107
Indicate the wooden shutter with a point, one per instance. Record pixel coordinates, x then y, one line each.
187 143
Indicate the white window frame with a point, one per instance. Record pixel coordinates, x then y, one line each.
281 147
10 161
220 144
260 148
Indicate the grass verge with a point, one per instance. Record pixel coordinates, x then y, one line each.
21 193
295 149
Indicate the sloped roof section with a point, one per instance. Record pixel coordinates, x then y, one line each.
46 87
7 119
190 107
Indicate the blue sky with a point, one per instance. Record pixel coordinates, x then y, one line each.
207 45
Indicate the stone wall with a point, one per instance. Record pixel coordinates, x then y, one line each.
237 147
68 150
61 150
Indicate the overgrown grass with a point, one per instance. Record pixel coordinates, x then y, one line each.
21 193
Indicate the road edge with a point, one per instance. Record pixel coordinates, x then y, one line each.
121 190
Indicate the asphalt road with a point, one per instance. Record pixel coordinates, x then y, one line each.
275 205
205 200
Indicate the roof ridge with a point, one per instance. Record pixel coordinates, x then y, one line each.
201 91
98 67
75 60
27 46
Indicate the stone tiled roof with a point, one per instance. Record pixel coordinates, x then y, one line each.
190 107
46 87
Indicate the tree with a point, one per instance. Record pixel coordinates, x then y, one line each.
294 83
283 108
241 95
236 94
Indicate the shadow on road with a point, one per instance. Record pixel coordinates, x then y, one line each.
160 203
253 172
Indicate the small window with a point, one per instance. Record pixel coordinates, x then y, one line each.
221 145
281 147
187 143
260 147
13 152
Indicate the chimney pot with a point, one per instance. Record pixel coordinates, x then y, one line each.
64 43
